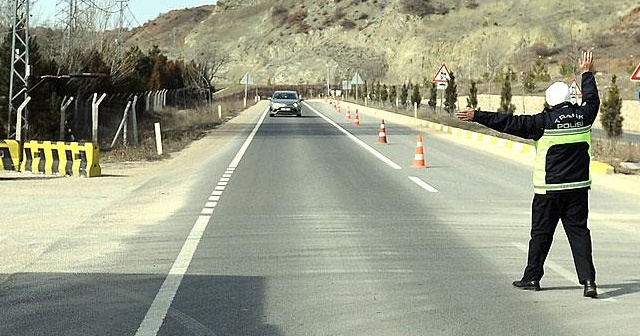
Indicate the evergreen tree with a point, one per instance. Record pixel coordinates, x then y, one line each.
365 90
529 81
472 101
433 96
404 94
610 111
451 94
540 71
505 96
393 94
415 95
384 94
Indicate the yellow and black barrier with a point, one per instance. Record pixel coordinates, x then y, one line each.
61 158
9 155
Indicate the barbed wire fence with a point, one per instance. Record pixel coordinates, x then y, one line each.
120 116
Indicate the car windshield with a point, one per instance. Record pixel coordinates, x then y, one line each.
284 95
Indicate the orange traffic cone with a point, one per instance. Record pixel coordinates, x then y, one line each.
339 108
348 115
382 134
418 158
356 121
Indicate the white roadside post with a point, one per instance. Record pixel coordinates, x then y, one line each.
219 112
19 118
94 116
134 121
158 138
66 101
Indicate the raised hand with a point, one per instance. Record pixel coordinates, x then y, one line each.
586 63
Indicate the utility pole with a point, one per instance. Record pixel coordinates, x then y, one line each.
20 70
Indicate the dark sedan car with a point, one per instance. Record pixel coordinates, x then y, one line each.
285 102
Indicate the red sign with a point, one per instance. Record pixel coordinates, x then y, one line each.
574 89
442 76
636 74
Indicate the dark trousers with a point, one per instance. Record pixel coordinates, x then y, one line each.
573 209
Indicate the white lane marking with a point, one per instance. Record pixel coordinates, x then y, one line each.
160 305
354 138
245 146
424 185
159 308
211 204
563 272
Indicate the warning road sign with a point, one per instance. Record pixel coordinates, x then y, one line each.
574 89
636 74
442 76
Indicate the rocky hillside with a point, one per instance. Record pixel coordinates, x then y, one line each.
301 41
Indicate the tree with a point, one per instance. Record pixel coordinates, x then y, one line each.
529 81
384 93
364 94
433 96
540 71
610 115
472 101
505 96
451 94
415 95
404 94
393 94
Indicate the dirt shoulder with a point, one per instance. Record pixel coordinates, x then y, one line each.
43 211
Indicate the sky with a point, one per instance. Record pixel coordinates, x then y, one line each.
44 11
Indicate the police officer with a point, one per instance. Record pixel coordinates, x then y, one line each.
561 178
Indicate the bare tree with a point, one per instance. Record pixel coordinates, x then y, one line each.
206 67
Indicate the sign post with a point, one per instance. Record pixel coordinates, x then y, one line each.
357 80
441 78
246 80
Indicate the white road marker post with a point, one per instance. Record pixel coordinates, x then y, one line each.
158 138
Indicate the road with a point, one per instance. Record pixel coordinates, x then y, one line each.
308 226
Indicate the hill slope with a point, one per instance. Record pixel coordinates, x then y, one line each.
299 42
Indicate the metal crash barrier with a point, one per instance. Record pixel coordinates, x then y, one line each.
61 158
9 155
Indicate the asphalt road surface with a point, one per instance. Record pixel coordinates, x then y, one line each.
309 226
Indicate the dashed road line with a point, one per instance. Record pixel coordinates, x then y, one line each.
162 302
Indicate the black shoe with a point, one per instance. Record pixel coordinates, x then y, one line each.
533 285
590 289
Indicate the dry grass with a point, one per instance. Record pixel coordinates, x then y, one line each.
179 128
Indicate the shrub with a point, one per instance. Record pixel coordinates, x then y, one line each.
540 49
422 8
347 24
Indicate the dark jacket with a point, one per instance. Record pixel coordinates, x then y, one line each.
563 138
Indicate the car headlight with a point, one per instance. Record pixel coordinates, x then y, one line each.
295 104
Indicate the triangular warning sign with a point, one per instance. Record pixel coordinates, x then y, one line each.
636 74
442 76
574 89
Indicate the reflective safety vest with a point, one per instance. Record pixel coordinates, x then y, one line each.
562 160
